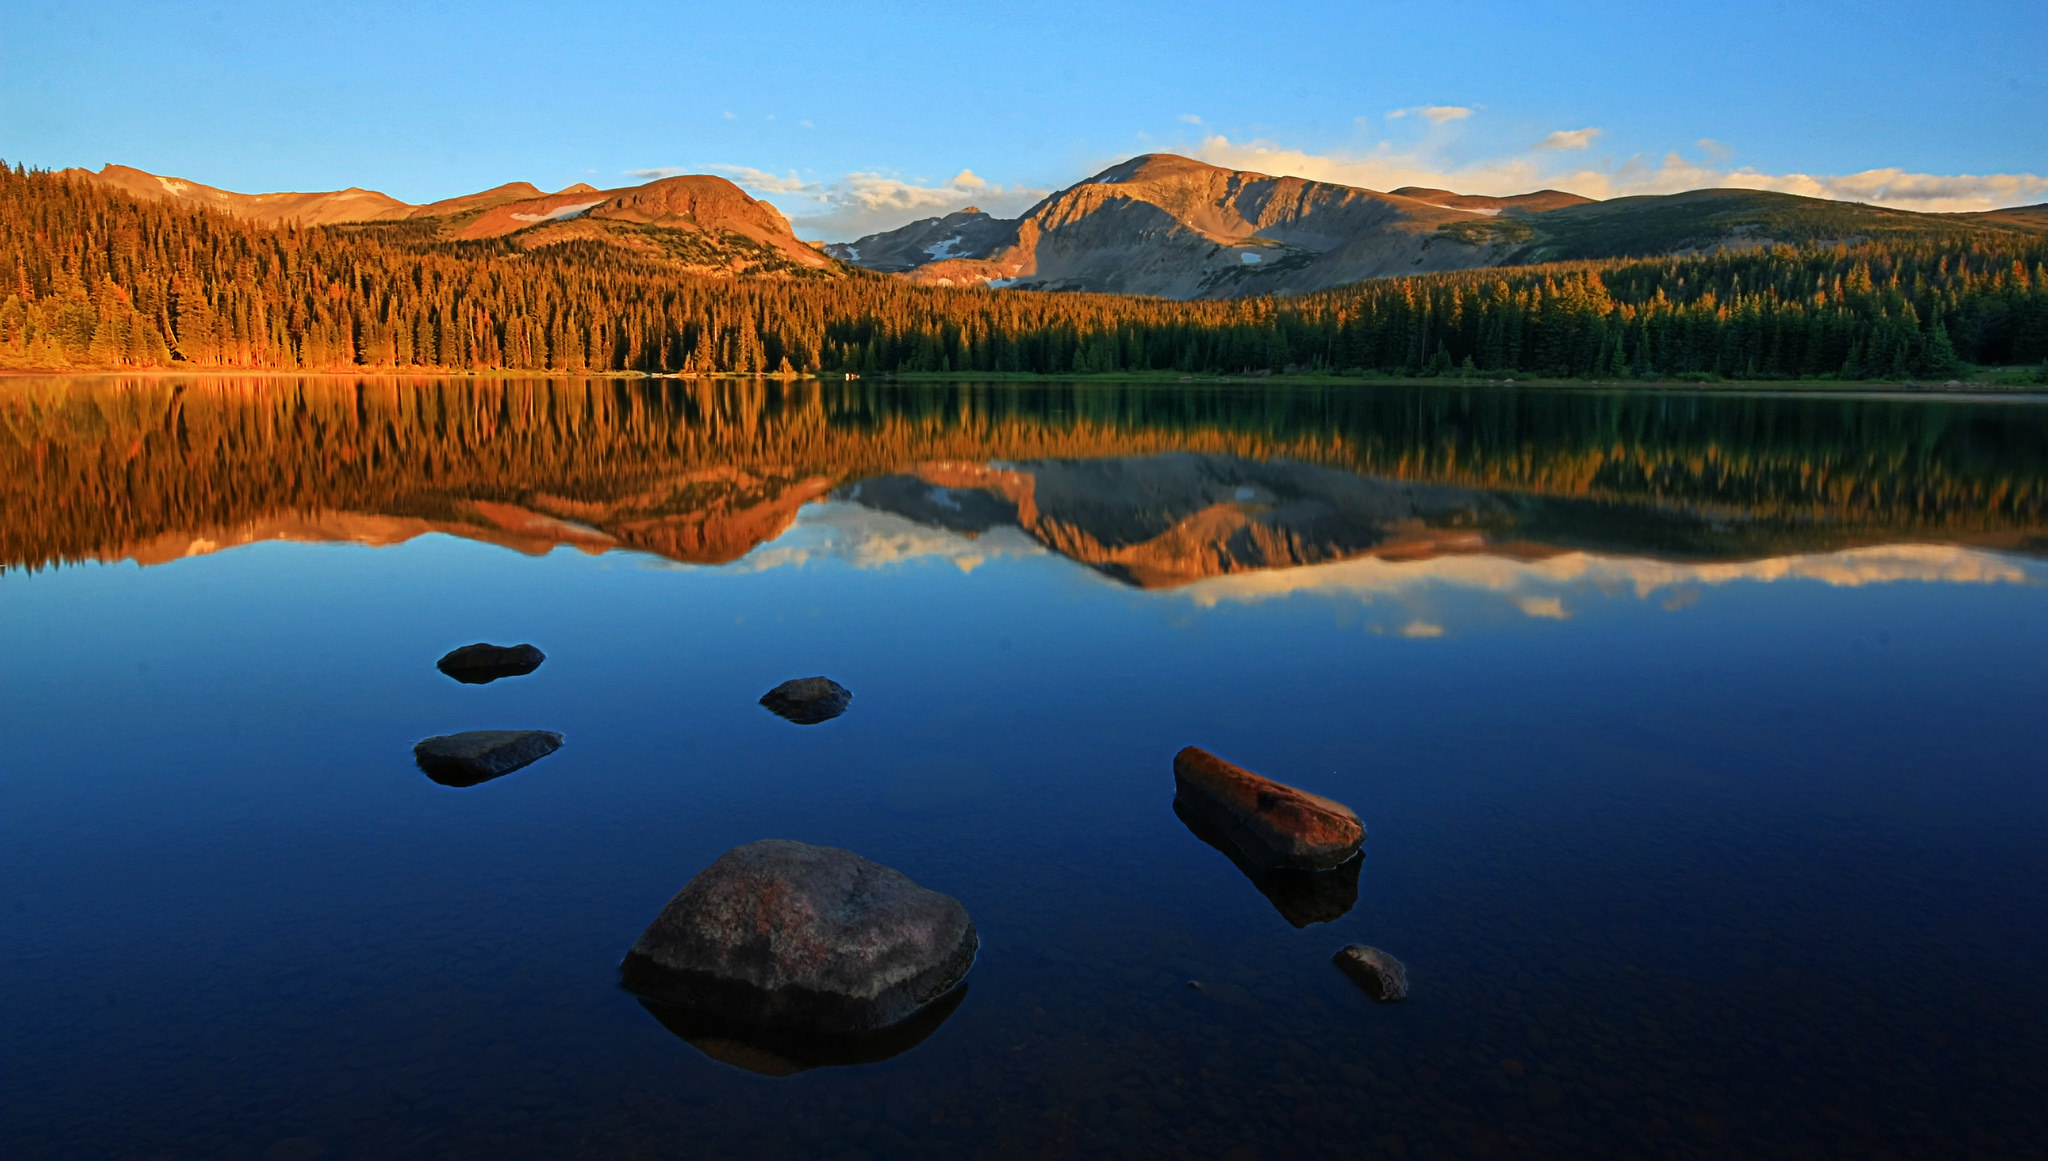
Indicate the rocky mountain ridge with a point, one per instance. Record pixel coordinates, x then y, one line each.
703 223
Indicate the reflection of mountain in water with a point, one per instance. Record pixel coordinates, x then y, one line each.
1168 519
1156 486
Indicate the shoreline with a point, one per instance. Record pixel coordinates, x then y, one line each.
1953 389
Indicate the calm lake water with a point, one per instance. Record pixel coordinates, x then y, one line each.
1699 738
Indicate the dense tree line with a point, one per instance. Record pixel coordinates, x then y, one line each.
92 279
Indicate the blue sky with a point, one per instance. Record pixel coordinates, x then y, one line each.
851 116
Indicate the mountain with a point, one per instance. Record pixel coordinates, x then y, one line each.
1174 227
1170 226
934 239
704 224
308 209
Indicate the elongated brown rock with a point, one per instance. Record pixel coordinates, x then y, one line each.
1271 824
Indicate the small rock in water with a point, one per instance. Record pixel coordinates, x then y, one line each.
784 935
808 700
1381 975
1272 824
481 755
480 664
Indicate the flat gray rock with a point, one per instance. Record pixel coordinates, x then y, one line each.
780 934
1381 975
808 700
480 664
481 755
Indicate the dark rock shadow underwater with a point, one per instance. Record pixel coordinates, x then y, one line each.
786 1052
1301 897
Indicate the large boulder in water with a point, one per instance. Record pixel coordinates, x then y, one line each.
481 663
463 760
808 700
1270 823
781 934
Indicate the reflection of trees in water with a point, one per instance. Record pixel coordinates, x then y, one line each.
703 469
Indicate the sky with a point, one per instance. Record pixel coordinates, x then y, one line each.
852 117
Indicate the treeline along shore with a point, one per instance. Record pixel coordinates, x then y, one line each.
92 279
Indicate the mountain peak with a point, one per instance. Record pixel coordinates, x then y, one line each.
1154 167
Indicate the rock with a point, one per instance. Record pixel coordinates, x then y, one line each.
808 700
481 755
1380 974
785 935
480 664
1301 897
786 1052
1270 824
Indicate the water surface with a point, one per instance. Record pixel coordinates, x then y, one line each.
1697 735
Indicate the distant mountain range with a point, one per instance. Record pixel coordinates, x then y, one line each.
1158 224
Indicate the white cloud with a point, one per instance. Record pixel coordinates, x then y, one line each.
1191 118
864 203
1569 139
1384 166
1422 629
730 115
761 181
1434 114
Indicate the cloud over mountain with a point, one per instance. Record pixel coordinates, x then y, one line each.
867 202
1386 166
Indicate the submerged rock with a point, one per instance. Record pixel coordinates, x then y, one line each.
481 755
480 664
784 935
1269 823
1301 897
786 1052
1381 975
808 700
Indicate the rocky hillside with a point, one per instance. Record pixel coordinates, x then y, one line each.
703 224
1177 228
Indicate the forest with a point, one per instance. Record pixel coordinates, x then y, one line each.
91 279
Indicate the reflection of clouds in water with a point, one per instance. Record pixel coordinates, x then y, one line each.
866 538
1370 577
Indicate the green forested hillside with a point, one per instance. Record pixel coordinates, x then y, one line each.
91 279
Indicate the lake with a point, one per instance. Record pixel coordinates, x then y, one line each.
1698 736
